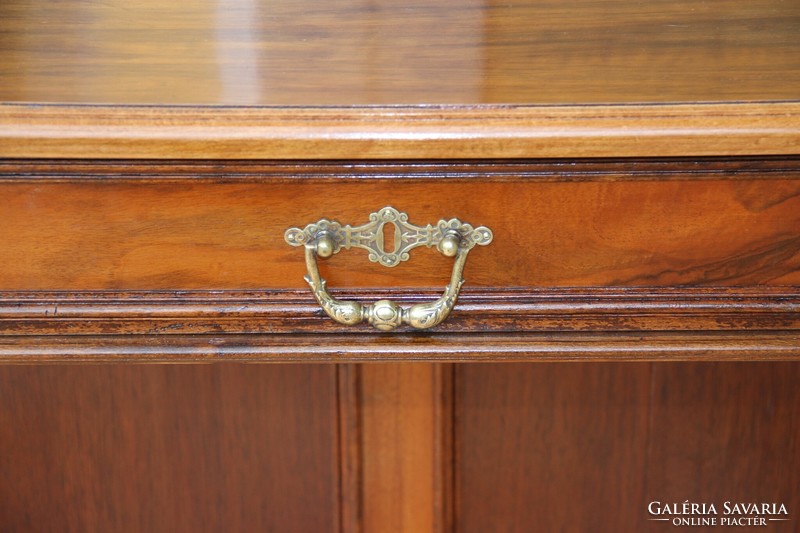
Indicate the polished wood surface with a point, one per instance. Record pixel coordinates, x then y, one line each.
636 160
702 323
587 447
169 448
365 346
406 420
364 80
358 52
648 223
400 132
684 309
728 432
202 448
571 447
550 448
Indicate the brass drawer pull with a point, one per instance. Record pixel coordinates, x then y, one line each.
324 238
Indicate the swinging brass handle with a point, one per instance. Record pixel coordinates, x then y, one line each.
452 238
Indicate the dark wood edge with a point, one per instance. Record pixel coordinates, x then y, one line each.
105 171
444 488
690 323
350 448
569 346
477 311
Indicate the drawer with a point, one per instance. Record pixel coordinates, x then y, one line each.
184 248
142 226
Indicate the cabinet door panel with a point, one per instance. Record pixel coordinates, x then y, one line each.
550 447
586 447
168 448
726 433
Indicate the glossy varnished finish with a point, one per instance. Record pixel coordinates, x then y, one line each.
683 309
587 447
406 417
407 132
169 448
358 52
637 162
553 447
234 448
742 345
621 259
728 432
213 226
365 80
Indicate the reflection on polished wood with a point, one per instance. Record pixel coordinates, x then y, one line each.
198 226
281 52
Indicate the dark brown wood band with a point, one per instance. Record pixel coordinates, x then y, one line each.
542 324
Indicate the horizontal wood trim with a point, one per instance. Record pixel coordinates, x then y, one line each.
477 310
184 171
523 324
573 346
408 132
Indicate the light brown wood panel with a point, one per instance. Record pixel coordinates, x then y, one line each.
550 447
103 234
312 52
168 448
406 424
400 132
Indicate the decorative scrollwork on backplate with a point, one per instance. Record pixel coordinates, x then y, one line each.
407 236
324 238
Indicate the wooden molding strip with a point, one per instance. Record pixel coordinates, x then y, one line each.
571 346
477 311
408 132
540 324
450 171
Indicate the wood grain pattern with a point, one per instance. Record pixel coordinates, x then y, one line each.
359 52
351 449
405 423
185 137
421 132
587 447
550 447
168 448
455 171
726 432
717 224
477 310
465 347
605 324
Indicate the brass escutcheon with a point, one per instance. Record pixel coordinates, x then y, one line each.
325 238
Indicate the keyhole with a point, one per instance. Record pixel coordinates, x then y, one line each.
388 238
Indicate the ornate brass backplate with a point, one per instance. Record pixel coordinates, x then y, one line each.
324 238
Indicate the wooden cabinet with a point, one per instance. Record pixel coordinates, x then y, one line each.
629 336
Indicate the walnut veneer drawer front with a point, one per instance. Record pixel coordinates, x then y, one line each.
637 247
143 226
